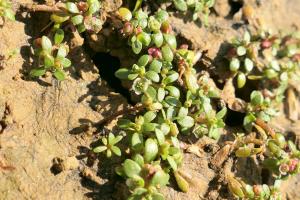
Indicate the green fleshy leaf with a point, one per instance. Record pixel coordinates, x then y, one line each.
138 158
137 141
144 38
62 52
65 62
248 64
161 15
183 112
157 196
72 8
122 73
171 78
241 51
131 168
104 141
37 72
161 94
46 44
234 65
81 28
221 113
158 39
153 76
160 179
143 60
137 46
155 66
151 150
243 152
181 182
149 127
248 120
125 14
116 140
256 98
77 19
180 5
58 19
94 7
167 53
173 91
135 182
172 163
241 80
108 153
149 116
48 61
59 75
160 136
186 122
116 150
99 149
172 101
59 36
171 40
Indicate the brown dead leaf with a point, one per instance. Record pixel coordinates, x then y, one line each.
228 95
194 149
221 156
292 105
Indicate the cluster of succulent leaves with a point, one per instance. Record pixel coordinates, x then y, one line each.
196 6
84 15
281 157
259 107
109 145
6 11
144 31
51 57
154 148
242 190
265 57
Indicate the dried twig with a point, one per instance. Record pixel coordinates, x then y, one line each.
266 127
57 8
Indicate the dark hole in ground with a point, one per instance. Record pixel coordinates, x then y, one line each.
107 66
245 92
235 7
234 118
291 136
265 175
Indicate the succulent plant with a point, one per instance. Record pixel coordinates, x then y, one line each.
245 191
264 57
143 180
176 99
109 145
144 31
196 6
83 14
259 107
281 157
52 57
